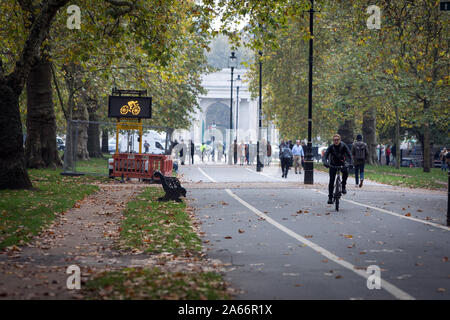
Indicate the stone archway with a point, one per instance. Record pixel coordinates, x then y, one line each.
219 113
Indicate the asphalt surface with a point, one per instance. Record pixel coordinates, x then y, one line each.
280 240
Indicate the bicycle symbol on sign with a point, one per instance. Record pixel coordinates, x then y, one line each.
132 107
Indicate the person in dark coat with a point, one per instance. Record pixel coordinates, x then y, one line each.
360 153
192 147
337 155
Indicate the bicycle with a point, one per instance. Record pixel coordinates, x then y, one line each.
337 186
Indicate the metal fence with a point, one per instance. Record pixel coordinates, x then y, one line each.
88 145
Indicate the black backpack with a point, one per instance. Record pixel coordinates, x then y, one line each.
360 151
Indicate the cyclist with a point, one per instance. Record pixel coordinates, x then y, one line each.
339 155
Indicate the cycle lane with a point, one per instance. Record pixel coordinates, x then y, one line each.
313 273
266 263
411 255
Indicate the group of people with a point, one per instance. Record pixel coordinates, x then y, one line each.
246 152
181 151
291 155
336 155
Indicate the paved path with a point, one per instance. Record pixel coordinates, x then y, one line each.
280 240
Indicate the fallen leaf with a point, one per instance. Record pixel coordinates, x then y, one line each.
441 290
241 231
348 236
408 214
228 237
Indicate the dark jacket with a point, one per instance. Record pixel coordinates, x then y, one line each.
337 155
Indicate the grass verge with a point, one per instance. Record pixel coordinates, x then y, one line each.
404 177
24 213
154 284
155 227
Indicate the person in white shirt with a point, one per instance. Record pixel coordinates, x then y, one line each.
299 155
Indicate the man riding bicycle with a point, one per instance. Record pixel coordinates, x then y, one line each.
339 155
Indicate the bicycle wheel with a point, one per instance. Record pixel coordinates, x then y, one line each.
337 192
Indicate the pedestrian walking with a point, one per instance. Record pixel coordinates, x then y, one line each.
235 151
442 159
146 146
388 154
192 149
183 152
269 153
219 152
247 153
297 152
286 159
202 150
360 153
241 151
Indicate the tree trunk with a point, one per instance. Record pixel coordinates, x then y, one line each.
40 148
93 143
426 140
369 134
346 131
13 172
105 143
76 136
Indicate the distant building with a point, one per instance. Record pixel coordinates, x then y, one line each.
214 117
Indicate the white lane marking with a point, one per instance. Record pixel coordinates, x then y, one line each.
396 292
266 175
206 175
393 213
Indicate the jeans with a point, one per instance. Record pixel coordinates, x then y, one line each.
333 178
359 172
285 164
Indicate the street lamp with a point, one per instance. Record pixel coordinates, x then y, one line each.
259 165
309 164
238 81
232 63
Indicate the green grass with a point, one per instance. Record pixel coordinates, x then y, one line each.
94 165
154 284
155 227
405 177
24 213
